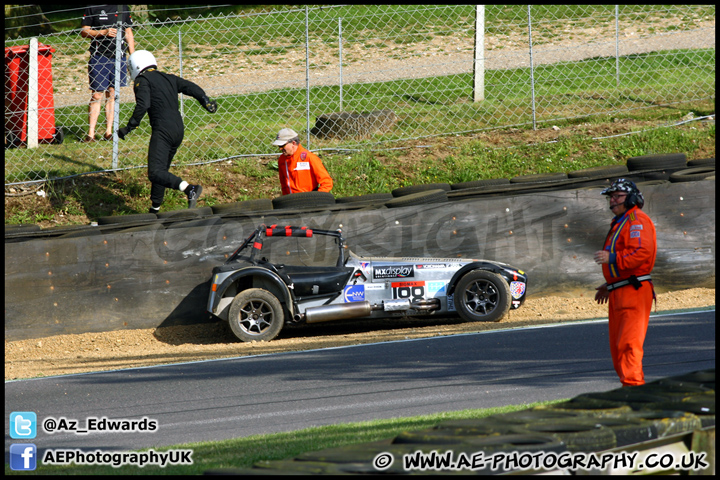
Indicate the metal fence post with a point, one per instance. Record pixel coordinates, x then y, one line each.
617 45
116 111
307 75
32 95
340 54
532 70
180 65
479 63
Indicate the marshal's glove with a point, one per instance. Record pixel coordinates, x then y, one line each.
209 105
122 132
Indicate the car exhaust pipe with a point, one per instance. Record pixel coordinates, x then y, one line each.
327 313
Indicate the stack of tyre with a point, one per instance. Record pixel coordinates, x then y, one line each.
622 419
644 170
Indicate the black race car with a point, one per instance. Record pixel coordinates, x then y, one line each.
257 297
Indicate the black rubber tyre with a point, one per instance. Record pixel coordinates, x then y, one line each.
487 182
703 377
578 435
154 226
634 397
445 436
608 171
380 198
652 182
629 431
702 406
468 424
518 442
409 190
692 174
12 140
420 198
256 315
667 422
675 385
482 296
660 161
539 177
594 407
281 468
186 213
80 231
195 222
132 218
701 162
22 228
255 205
537 415
58 136
352 458
304 200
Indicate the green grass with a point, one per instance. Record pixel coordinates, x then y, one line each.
244 452
365 171
441 104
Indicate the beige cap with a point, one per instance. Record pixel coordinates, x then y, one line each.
284 136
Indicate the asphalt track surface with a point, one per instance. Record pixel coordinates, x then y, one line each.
229 398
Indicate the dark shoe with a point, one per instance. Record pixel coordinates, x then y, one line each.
88 139
193 193
107 137
154 210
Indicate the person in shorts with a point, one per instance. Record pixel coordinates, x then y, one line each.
100 24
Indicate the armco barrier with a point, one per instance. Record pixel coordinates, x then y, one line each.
151 276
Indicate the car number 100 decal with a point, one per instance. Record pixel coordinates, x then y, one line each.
411 290
418 290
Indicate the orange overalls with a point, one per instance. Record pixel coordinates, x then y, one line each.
303 172
632 244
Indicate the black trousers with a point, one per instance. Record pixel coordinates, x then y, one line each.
162 150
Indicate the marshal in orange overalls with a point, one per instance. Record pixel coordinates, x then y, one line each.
303 172
632 244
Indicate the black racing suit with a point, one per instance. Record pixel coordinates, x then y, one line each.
157 94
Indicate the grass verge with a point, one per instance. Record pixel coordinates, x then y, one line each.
244 452
572 145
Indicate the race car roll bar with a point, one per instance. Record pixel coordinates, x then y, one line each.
287 231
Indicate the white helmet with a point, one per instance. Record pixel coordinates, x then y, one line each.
139 61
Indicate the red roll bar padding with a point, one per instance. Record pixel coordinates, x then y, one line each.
288 231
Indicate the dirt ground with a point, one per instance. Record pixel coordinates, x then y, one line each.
92 352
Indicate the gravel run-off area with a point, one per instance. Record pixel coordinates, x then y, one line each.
91 352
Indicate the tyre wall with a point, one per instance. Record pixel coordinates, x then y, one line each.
158 275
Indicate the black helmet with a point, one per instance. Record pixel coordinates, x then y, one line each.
634 197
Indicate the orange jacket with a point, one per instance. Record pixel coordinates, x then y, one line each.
303 172
632 244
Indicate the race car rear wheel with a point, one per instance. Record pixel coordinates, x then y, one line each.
482 296
256 315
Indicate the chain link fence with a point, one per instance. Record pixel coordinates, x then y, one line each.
362 76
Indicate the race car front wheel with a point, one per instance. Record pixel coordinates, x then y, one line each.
256 314
482 296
